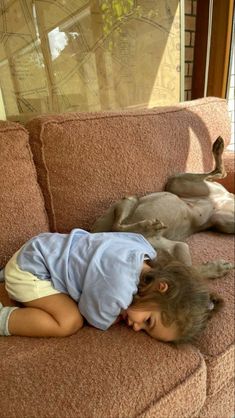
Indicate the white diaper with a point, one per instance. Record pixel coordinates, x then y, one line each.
23 286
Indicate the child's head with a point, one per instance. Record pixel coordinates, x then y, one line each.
172 304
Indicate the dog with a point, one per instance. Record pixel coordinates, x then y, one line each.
191 203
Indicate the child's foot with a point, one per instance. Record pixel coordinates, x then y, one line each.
5 312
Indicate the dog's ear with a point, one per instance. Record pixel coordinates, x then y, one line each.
215 304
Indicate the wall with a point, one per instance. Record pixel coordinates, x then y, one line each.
190 25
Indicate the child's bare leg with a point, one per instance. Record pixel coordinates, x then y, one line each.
50 316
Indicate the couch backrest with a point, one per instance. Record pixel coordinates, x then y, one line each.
85 161
22 211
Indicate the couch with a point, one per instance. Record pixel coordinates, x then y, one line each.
62 171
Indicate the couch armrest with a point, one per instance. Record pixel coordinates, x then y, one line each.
229 162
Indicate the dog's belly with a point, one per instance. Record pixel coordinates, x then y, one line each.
169 209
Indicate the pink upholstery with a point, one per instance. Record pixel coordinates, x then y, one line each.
84 162
22 213
118 373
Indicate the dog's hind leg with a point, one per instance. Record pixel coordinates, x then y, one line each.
193 184
219 170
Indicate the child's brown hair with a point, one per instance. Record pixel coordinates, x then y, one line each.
187 302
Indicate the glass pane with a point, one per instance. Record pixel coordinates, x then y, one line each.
88 55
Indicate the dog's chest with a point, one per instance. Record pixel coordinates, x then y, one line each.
166 207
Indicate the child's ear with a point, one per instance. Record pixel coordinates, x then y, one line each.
162 287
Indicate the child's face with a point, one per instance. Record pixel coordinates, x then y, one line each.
150 322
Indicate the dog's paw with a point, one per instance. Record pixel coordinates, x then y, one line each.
218 146
220 175
156 225
152 226
131 198
218 268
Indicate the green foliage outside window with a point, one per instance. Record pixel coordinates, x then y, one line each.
114 13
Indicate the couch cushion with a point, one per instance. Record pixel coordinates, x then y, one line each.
85 161
217 342
22 213
96 374
221 404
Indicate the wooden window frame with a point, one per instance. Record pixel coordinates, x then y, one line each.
212 82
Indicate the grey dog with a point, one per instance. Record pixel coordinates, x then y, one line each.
190 203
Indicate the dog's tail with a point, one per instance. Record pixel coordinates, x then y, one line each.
2 275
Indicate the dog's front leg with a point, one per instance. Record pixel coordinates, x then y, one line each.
180 251
176 249
214 269
123 212
113 218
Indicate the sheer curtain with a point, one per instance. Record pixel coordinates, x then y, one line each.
89 55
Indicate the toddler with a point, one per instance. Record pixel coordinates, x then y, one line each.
62 279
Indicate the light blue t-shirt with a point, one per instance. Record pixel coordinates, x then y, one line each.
99 271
